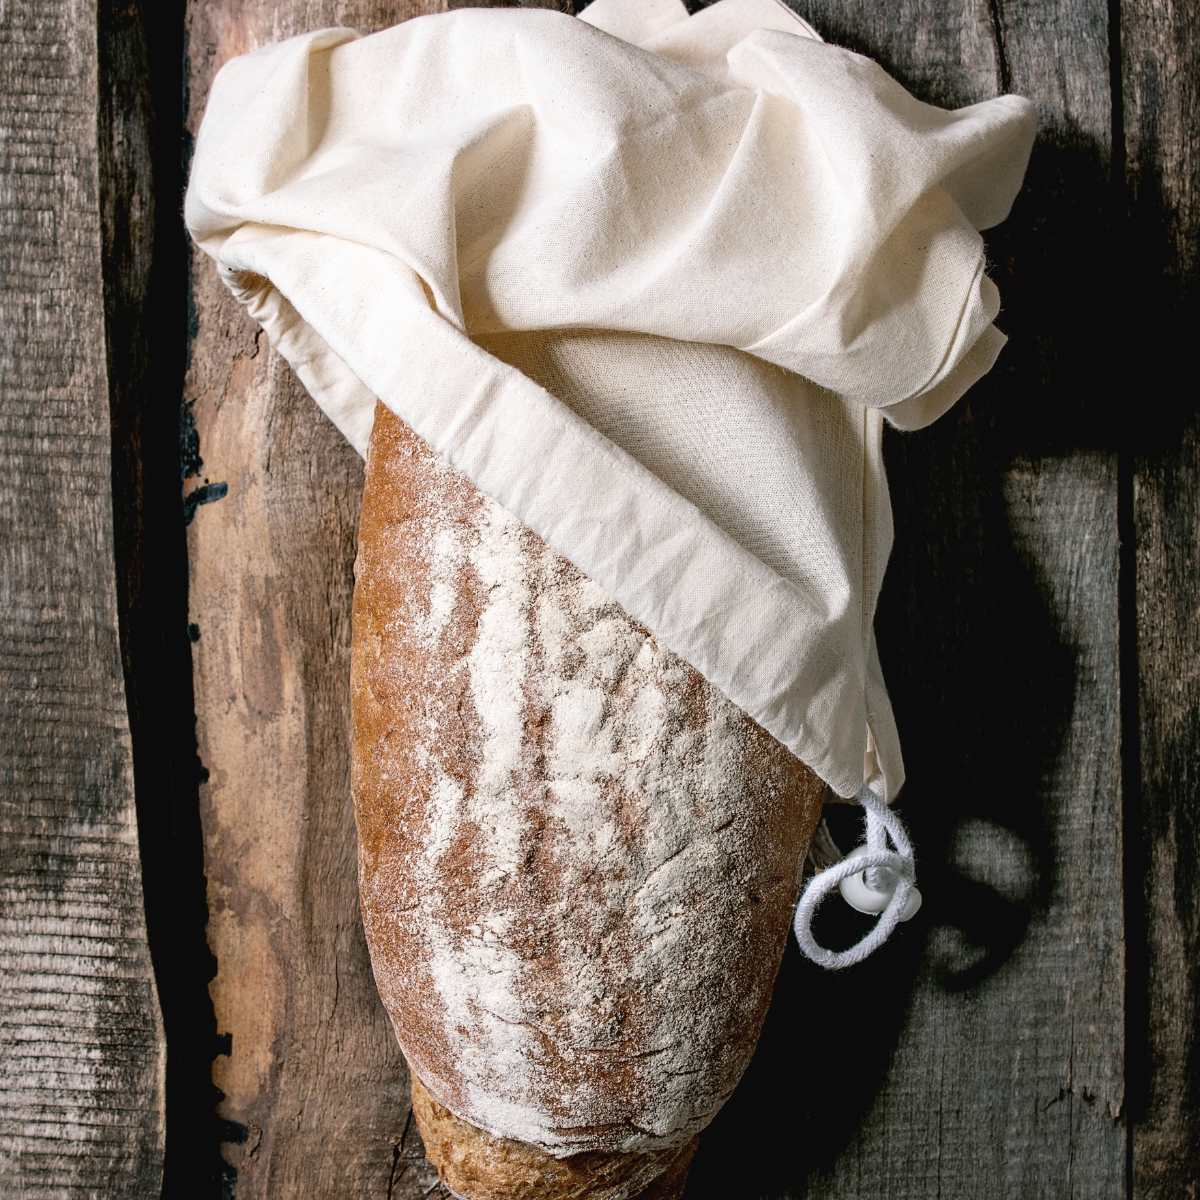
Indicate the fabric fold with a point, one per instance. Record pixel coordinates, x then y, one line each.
655 299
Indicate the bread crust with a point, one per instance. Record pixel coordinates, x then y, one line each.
479 1166
577 858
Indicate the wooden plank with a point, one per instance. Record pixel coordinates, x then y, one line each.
314 1089
81 1075
981 1055
1161 87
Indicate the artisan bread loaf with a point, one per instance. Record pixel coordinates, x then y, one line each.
577 858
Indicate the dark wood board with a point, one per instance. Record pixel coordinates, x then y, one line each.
82 1055
1160 70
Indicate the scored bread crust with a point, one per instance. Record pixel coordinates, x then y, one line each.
577 858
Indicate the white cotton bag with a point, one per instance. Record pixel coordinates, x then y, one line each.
653 282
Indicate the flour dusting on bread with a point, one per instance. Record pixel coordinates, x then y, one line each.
578 858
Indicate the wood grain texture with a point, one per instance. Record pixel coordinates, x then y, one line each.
81 1068
986 1058
314 1090
994 1069
1160 72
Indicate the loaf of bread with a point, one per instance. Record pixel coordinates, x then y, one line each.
578 859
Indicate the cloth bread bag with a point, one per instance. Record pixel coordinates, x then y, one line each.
618 305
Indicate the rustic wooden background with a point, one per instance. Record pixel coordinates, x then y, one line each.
1034 1035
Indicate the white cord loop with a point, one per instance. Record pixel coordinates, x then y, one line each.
882 870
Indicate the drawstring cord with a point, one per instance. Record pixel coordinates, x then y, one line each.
872 879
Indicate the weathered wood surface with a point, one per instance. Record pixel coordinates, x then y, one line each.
1160 68
314 1094
82 1052
1034 1035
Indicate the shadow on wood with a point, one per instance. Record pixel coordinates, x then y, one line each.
145 264
923 1069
